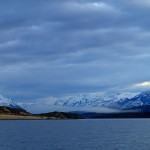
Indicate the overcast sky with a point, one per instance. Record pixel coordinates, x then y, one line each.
54 47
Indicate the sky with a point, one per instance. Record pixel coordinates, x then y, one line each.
49 48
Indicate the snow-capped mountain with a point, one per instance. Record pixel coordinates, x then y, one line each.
8 102
102 101
95 102
142 99
107 99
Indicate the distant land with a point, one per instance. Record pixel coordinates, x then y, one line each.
125 104
7 113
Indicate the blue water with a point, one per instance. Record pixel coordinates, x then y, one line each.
115 134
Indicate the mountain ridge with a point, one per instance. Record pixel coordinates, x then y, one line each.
97 102
94 102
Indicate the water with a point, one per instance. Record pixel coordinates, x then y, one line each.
105 134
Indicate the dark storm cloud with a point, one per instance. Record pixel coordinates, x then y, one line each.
72 46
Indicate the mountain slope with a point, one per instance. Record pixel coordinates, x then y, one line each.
13 111
142 101
8 102
107 99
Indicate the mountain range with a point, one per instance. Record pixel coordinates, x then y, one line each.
113 101
92 102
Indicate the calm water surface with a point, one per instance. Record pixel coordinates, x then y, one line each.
115 134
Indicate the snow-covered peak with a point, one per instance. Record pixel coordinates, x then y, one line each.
95 99
122 95
8 102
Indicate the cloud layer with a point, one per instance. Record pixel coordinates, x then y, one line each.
61 47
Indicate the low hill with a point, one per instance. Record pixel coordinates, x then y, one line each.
19 113
61 115
13 111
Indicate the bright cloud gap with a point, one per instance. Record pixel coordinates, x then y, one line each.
143 84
